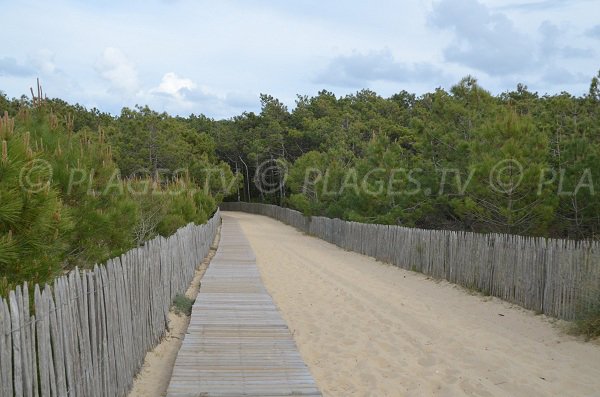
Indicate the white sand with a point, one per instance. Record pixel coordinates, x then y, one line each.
370 329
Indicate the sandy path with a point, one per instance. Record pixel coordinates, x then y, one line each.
370 329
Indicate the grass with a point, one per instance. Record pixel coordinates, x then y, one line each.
183 305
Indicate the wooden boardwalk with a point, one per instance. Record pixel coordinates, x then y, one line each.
237 343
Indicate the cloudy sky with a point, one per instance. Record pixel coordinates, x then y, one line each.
215 57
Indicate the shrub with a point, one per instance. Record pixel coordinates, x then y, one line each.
63 202
587 322
183 305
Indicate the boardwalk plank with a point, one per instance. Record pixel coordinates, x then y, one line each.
237 343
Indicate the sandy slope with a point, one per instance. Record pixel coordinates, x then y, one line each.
370 329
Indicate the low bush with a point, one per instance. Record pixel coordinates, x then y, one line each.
587 322
183 305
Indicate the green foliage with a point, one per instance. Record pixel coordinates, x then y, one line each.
151 144
459 159
63 201
417 161
587 322
509 155
33 224
183 305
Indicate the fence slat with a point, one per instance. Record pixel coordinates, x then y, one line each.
91 330
42 347
6 371
16 343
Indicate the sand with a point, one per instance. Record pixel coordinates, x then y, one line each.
366 328
155 375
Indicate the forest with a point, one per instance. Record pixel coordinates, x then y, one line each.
78 186
463 159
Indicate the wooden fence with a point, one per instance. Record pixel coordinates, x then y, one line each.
550 276
90 332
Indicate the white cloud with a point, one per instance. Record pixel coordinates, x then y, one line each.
174 86
175 94
359 69
43 60
484 40
11 67
560 75
242 100
118 70
594 31
178 95
490 41
121 51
